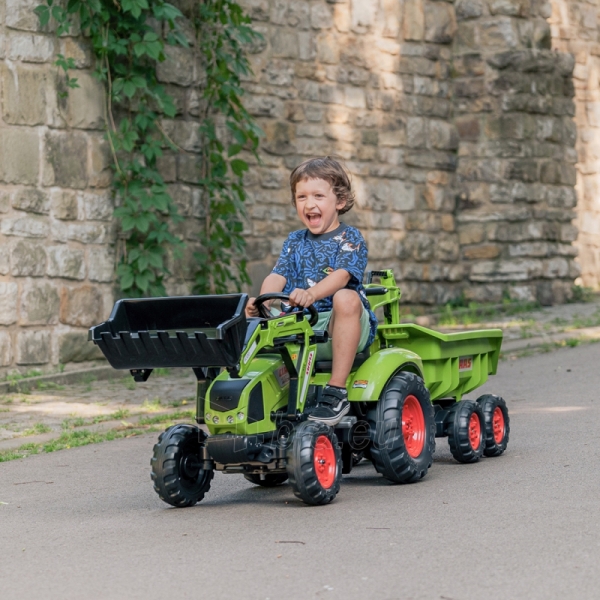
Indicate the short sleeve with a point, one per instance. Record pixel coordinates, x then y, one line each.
353 254
284 262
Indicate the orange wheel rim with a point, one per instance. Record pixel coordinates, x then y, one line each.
498 425
474 431
324 461
413 426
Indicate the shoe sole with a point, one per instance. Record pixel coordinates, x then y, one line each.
332 420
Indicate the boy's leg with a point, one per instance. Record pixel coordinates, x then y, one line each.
345 330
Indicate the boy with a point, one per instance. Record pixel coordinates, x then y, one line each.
324 265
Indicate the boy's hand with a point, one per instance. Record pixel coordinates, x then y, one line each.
251 310
303 298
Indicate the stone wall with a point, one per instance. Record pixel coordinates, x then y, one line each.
454 118
575 28
56 229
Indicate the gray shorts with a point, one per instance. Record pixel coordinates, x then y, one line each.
325 351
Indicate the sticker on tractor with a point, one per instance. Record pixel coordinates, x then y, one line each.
465 363
360 383
294 357
309 363
250 352
283 376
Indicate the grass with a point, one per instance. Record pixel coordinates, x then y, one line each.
71 439
176 416
49 385
461 313
118 415
153 405
37 429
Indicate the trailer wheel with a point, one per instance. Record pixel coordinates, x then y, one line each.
314 463
404 430
177 472
269 480
497 424
466 429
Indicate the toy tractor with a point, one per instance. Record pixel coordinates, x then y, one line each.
258 379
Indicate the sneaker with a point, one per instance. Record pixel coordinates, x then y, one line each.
332 407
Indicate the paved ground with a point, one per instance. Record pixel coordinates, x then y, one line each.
85 523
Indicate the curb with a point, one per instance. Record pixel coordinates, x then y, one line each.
585 334
69 377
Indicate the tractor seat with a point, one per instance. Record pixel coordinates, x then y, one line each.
325 366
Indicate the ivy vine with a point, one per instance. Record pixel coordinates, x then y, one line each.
128 38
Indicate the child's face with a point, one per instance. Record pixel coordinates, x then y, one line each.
317 205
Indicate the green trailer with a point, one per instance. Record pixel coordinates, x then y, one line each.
259 378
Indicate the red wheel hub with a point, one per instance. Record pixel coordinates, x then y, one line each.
474 431
413 426
324 462
498 425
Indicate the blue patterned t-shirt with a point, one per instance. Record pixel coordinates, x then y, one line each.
306 259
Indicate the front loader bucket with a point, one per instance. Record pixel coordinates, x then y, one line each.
186 331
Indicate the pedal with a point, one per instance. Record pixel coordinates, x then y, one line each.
346 423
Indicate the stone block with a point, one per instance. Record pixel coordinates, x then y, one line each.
510 8
364 14
31 200
8 302
65 160
20 15
440 22
328 50
415 132
502 32
84 105
27 260
97 206
77 49
33 347
262 106
19 155
81 306
522 293
31 227
66 262
443 135
64 205
468 9
31 47
4 260
321 16
6 351
178 67
497 271
284 43
39 303
556 267
100 172
75 347
24 94
414 21
484 251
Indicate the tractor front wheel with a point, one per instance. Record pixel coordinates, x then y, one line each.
268 479
179 477
314 463
465 427
497 424
403 426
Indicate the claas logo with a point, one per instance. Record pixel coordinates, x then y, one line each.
465 363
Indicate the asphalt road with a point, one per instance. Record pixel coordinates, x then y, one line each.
85 523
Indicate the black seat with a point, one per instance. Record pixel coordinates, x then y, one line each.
325 366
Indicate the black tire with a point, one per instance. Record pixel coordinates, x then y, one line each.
311 440
389 452
466 431
270 479
497 424
178 476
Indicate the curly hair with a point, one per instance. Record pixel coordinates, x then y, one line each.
330 170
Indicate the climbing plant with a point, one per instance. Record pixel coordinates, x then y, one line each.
128 38
222 33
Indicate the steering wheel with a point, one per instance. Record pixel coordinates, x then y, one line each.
264 312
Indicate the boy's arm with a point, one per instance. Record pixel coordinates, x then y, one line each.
272 283
326 287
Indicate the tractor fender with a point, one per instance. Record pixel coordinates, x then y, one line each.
371 377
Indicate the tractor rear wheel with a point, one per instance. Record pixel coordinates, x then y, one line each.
403 426
314 463
179 477
268 479
497 424
466 428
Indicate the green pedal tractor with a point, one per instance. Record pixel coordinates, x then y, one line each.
258 378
